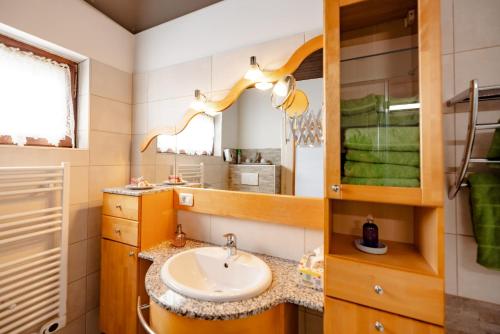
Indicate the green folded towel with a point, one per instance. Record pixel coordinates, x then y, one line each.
381 171
358 106
385 157
394 101
381 182
402 139
373 118
485 204
494 151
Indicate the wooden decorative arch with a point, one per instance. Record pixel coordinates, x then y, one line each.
292 64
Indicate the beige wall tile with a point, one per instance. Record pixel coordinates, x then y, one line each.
464 221
230 66
165 113
140 118
92 322
147 157
195 225
312 239
140 87
478 64
79 177
110 115
476 24
107 81
41 156
475 281
92 287
108 148
76 300
77 260
94 219
101 177
451 264
78 214
93 254
446 26
148 171
180 80
76 326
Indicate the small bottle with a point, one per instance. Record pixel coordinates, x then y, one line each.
238 156
370 233
180 237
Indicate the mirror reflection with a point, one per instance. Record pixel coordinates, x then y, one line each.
257 144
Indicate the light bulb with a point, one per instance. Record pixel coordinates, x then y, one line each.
281 89
263 85
254 73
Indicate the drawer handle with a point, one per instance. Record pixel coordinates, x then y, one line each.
378 289
118 206
378 326
131 253
118 231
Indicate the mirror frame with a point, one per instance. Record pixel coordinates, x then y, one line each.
291 66
304 212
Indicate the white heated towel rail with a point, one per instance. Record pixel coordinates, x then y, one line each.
34 214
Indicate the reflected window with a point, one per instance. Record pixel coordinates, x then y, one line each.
196 139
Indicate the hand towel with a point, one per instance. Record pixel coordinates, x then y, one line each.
381 182
385 157
374 118
402 139
380 171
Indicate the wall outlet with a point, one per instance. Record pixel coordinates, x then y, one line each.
186 199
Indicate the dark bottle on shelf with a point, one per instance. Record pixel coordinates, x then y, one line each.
370 233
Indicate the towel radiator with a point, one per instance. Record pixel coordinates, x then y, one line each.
34 204
192 173
473 95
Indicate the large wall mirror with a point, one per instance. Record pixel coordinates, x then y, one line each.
267 137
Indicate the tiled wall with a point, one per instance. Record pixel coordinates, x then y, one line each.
104 163
269 178
471 50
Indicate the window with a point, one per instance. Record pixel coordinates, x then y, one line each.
37 96
196 139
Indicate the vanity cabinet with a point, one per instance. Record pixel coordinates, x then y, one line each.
129 224
383 157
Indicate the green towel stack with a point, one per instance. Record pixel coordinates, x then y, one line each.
383 148
370 111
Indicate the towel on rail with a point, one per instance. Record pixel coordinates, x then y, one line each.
402 139
494 151
485 204
381 182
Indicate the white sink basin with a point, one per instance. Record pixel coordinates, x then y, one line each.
208 274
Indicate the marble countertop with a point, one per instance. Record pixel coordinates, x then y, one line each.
130 192
285 288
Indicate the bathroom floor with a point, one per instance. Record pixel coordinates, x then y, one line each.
467 316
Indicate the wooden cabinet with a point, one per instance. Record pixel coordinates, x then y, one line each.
129 224
383 157
348 318
381 57
118 287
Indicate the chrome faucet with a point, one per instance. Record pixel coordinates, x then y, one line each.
230 244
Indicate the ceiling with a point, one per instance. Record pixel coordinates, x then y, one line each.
139 15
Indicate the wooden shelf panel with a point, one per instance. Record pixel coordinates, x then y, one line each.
400 256
378 194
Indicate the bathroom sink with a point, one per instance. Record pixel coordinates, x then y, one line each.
208 273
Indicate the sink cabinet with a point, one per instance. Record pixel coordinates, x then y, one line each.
129 224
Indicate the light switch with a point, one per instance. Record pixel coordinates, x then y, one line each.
250 179
186 199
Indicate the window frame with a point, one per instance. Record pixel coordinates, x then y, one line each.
73 68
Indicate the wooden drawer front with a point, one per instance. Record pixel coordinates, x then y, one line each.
347 318
121 206
122 230
412 295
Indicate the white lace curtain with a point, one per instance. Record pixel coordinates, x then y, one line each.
196 139
35 97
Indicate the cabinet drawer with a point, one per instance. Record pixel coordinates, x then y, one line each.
122 230
409 294
347 318
121 206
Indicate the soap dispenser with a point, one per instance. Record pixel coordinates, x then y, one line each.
370 233
180 237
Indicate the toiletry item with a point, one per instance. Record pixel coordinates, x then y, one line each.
238 156
370 233
180 237
311 268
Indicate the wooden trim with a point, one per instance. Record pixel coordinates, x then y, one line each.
432 152
73 68
292 64
331 123
283 209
